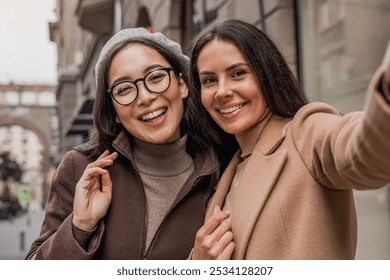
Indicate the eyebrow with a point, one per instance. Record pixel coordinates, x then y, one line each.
152 67
146 70
231 67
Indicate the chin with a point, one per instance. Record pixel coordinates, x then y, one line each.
164 139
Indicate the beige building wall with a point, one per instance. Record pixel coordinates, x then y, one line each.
343 43
72 47
278 21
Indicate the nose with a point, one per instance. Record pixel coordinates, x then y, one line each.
145 97
224 90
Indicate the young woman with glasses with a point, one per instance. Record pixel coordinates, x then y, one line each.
139 188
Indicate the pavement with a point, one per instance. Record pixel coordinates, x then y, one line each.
373 211
18 233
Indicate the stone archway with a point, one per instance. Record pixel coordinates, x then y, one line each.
28 124
33 108
36 161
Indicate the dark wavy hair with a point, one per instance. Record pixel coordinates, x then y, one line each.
280 89
106 129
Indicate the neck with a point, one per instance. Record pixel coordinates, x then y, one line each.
248 138
162 159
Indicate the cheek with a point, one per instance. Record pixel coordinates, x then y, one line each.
206 100
122 113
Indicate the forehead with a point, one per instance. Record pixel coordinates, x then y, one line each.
219 51
132 60
138 52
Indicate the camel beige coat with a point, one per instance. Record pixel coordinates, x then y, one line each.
295 198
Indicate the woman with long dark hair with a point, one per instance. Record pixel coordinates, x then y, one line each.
139 188
289 188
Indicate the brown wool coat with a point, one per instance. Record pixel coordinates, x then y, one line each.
295 199
121 233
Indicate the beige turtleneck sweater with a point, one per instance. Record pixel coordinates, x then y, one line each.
163 170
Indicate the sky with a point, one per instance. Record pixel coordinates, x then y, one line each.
26 54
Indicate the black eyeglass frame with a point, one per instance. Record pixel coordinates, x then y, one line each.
135 82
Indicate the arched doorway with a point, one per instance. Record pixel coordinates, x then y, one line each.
24 147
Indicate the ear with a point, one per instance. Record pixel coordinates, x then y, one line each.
183 88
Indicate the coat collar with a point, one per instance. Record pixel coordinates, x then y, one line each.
123 144
205 163
273 135
261 172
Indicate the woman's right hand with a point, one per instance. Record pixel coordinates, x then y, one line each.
93 193
214 240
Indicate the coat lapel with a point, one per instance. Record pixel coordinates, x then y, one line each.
259 177
257 182
223 185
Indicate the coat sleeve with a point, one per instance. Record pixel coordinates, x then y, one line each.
56 240
350 151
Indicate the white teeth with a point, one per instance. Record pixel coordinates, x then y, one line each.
231 109
153 115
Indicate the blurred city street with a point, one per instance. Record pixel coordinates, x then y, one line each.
373 210
18 233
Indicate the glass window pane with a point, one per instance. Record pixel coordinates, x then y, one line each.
11 98
28 98
47 98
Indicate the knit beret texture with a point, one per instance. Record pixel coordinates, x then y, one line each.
139 33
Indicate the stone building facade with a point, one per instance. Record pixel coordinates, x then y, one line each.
29 131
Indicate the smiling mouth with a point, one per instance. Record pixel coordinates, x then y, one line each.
153 115
231 109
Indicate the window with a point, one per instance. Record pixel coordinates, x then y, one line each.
46 98
325 15
54 122
341 9
28 98
11 98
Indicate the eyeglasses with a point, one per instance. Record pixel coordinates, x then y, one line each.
156 81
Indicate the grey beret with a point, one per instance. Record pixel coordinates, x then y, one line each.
127 35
